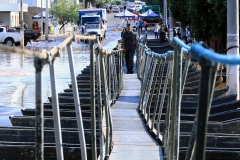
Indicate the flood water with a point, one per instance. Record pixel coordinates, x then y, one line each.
17 76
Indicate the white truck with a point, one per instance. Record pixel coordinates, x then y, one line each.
93 22
9 38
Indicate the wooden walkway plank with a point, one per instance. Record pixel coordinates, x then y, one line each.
130 137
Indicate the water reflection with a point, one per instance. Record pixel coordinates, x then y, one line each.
17 76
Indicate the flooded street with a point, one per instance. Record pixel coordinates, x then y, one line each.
17 72
18 77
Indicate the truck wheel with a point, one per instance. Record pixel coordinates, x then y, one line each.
8 41
17 44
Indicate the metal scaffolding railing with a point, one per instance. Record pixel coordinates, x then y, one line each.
163 79
105 69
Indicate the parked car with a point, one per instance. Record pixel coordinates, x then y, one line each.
107 8
29 34
115 8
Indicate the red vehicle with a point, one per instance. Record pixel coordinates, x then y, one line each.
4 25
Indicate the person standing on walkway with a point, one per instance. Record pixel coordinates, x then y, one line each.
156 31
129 44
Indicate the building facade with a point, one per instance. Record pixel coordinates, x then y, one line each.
10 11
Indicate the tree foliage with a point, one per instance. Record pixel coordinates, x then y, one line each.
179 10
206 17
65 11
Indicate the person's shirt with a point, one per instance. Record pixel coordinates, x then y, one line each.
130 39
156 29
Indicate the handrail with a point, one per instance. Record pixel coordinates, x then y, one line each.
107 76
197 51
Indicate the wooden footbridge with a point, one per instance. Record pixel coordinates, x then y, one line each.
167 109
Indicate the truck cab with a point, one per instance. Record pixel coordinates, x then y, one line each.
95 29
9 38
93 22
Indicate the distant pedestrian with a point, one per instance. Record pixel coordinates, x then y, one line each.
162 36
145 25
156 28
140 25
136 27
129 44
179 33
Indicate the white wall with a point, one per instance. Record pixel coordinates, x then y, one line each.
36 3
4 1
14 19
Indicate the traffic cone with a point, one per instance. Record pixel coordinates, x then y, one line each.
115 30
78 41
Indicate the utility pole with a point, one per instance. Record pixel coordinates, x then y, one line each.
42 19
232 76
21 23
170 30
165 12
46 19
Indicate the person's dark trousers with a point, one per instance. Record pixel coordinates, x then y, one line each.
156 34
140 28
129 54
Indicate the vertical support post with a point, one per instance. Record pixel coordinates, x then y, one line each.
42 19
165 12
100 104
56 114
168 111
185 71
233 41
106 103
163 98
144 82
109 76
151 96
46 18
170 25
77 103
175 127
21 23
92 97
160 77
150 89
207 81
39 123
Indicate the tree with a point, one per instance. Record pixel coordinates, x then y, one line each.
65 11
179 10
208 18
